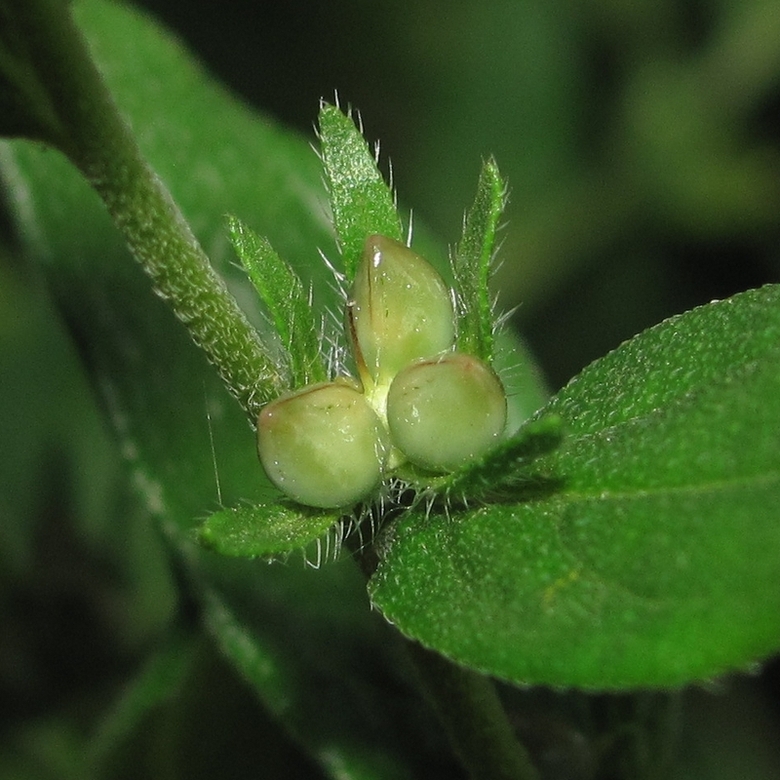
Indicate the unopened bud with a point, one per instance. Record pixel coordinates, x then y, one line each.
446 412
323 446
400 310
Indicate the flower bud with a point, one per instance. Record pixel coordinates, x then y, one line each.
400 310
323 446
446 412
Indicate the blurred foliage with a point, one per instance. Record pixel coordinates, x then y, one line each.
641 141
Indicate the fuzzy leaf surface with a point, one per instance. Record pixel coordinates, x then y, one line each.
264 530
286 300
508 472
472 261
657 560
361 201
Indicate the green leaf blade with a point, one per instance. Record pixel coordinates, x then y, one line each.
264 530
163 398
507 472
361 201
472 261
657 562
286 300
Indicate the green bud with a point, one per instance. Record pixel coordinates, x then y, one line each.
446 412
323 446
400 311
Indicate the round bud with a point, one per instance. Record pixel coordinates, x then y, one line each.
400 310
447 412
323 446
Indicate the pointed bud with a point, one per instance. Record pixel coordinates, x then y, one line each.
447 412
323 446
400 310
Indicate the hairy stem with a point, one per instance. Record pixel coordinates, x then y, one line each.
91 132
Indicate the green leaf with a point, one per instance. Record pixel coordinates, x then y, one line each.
264 530
658 561
472 261
283 294
507 472
97 140
361 202
162 398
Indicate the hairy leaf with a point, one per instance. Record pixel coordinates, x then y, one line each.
264 530
471 264
507 472
361 202
288 303
657 561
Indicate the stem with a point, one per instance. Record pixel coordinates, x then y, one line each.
92 134
473 717
465 701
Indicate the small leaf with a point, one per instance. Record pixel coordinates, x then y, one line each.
283 294
264 530
471 264
656 561
507 472
362 203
